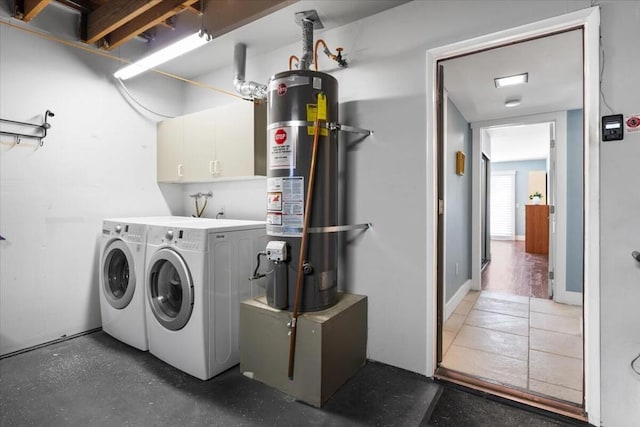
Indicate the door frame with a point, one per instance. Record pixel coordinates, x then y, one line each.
589 20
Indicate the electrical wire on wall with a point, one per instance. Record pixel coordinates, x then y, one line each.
594 3
130 97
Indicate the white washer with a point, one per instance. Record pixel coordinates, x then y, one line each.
196 276
121 277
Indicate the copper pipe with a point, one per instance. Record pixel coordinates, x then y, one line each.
303 245
315 51
291 58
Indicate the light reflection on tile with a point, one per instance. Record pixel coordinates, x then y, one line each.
505 297
550 322
505 370
502 306
491 341
554 369
551 307
499 322
556 343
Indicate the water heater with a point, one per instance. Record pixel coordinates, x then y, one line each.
292 109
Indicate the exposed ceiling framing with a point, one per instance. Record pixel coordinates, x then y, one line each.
111 23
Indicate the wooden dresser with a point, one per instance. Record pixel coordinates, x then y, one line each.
537 229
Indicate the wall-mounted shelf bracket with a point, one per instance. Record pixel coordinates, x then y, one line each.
340 228
40 128
351 129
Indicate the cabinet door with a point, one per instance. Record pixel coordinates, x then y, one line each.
234 140
200 146
170 156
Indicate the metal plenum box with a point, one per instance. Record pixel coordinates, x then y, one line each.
331 346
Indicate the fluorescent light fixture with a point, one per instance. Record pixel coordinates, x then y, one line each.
174 50
512 102
518 79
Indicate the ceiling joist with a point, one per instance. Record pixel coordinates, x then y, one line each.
113 15
29 9
112 23
152 17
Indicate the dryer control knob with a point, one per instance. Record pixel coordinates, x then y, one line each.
169 235
118 228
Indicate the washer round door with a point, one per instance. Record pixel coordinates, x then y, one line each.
118 276
170 289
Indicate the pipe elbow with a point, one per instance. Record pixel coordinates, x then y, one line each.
250 89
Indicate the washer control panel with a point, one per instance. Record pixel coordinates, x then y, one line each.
194 240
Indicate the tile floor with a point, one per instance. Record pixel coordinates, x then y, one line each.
530 343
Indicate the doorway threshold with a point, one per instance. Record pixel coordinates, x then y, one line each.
534 400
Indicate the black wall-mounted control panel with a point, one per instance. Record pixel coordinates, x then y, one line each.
612 127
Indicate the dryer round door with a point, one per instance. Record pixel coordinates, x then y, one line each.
118 276
170 289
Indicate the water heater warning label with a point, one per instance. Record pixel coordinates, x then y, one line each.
285 206
282 148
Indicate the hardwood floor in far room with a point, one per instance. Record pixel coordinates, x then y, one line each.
514 271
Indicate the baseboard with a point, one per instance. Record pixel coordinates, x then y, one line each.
63 338
519 237
567 297
456 299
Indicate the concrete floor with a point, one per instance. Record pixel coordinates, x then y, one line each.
94 380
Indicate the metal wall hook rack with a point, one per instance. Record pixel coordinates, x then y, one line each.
44 127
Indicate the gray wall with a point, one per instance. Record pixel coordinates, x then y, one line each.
457 202
522 169
575 205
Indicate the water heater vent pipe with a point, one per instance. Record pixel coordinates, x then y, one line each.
245 88
309 20
307 44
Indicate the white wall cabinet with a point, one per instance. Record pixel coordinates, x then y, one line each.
221 143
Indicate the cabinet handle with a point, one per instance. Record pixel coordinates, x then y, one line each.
216 167
211 169
180 171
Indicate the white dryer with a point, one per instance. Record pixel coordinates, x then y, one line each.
121 277
196 276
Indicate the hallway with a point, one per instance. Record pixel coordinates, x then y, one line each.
514 271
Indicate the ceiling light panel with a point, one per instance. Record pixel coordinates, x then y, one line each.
517 79
174 50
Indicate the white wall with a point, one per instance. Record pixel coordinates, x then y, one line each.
245 199
98 161
619 214
385 90
53 198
